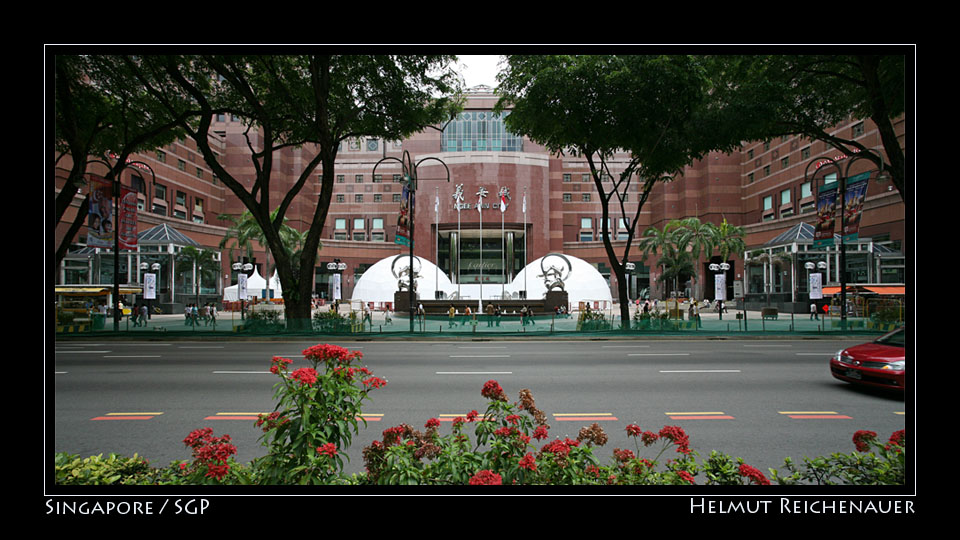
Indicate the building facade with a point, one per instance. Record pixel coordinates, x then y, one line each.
488 202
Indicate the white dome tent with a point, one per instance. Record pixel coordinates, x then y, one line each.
255 286
584 283
378 283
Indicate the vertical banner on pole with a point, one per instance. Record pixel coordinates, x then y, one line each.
405 219
100 222
816 286
127 222
149 286
826 216
720 287
853 205
242 286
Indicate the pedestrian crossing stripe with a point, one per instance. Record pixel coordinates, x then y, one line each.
584 417
815 415
698 415
127 416
451 417
257 415
236 416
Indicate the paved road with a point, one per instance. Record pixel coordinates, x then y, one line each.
752 399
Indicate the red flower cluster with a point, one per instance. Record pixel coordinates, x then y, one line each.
678 437
540 433
684 475
528 462
271 421
328 449
492 390
623 456
279 364
753 474
332 355
374 382
486 477
432 423
306 376
634 430
212 452
348 372
862 440
472 416
898 438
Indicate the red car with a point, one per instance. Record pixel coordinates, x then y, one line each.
879 363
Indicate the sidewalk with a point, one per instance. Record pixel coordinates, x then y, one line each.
732 323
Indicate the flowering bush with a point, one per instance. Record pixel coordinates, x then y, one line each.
317 412
872 463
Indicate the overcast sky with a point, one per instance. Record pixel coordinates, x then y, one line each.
479 69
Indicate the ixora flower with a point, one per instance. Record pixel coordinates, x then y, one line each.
678 437
862 439
306 376
279 364
753 474
328 449
493 390
486 477
374 382
331 354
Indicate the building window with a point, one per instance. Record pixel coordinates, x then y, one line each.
358 198
586 236
585 197
377 197
340 179
161 156
396 178
585 177
340 224
358 179
480 130
785 162
181 164
377 178
750 153
766 171
750 178
359 236
566 177
858 130
396 197
340 198
586 223
378 236
358 223
377 223
805 153
567 197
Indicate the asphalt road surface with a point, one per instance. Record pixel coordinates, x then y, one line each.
759 400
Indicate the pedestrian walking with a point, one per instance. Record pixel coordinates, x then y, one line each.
452 313
490 312
144 315
814 315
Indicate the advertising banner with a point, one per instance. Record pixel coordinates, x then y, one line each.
405 219
826 212
816 286
853 205
127 224
720 287
150 286
242 286
100 223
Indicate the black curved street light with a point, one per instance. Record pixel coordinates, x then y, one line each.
410 181
116 229
842 176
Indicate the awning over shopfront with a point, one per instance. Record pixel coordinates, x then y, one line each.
868 289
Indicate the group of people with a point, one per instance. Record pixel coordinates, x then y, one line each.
193 315
493 315
139 315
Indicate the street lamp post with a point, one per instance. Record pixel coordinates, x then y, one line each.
722 267
842 176
410 182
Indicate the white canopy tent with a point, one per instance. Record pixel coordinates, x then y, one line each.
583 282
255 286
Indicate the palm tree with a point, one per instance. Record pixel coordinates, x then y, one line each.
201 261
729 239
245 229
698 236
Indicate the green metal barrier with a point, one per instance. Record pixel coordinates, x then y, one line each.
379 324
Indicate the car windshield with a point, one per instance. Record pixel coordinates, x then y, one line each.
894 339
